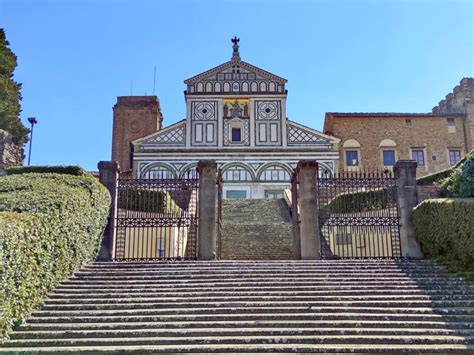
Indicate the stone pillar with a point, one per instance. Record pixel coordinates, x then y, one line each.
308 208
405 173
108 175
207 231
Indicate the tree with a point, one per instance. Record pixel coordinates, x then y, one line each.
10 95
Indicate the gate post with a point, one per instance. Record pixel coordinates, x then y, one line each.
207 210
308 202
405 173
108 176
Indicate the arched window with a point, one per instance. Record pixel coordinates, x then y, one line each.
217 87
254 87
271 87
158 171
200 87
388 152
351 151
226 87
263 86
275 173
208 87
245 87
237 173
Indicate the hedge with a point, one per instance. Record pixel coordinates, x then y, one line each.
66 169
50 224
445 230
361 201
146 200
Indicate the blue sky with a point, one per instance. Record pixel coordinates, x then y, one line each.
75 57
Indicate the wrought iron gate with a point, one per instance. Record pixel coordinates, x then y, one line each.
359 215
157 218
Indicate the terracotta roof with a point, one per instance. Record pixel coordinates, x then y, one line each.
391 114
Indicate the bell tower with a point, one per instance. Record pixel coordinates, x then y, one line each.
134 117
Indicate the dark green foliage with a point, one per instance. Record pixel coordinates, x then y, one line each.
445 229
440 175
461 181
362 201
10 96
146 200
67 169
50 224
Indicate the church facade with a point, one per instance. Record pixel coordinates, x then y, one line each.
235 115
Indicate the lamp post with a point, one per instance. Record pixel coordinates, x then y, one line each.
33 121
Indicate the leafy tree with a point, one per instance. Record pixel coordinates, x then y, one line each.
461 181
10 95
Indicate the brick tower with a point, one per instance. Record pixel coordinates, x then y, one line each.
134 117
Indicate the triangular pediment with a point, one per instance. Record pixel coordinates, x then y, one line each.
231 67
302 135
174 135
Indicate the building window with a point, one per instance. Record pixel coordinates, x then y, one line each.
418 155
273 194
235 194
389 157
451 125
352 158
454 157
236 134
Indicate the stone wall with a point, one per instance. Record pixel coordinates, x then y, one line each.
424 131
134 117
455 101
10 153
427 192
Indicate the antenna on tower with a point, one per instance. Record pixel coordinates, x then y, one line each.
154 80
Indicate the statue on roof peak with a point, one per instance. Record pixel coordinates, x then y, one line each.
235 47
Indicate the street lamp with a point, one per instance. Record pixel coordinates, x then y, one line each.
33 121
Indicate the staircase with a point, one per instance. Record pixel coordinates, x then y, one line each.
262 306
255 229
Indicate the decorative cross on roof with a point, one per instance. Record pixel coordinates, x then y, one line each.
235 47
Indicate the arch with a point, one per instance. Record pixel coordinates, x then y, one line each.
322 168
271 87
208 87
228 168
235 87
217 87
387 143
254 87
286 169
158 171
226 87
245 87
199 87
351 143
263 86
190 167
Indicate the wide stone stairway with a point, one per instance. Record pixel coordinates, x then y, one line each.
261 306
254 229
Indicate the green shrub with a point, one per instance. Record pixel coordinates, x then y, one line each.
461 181
69 170
445 230
147 200
50 224
361 201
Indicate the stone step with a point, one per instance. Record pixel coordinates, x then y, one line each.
257 317
274 323
251 348
267 291
254 330
260 300
185 309
247 339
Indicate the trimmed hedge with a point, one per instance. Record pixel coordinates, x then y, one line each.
67 169
361 201
50 224
146 200
445 230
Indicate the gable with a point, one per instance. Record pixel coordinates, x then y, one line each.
235 76
298 134
174 135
